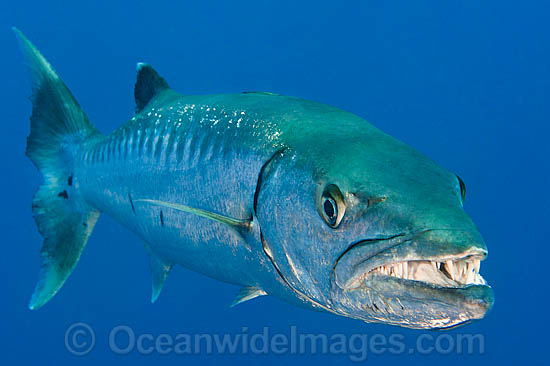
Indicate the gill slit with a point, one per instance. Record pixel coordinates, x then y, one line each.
301 295
265 247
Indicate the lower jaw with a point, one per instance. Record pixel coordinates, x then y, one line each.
421 305
422 290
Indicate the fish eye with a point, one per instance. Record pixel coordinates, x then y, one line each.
331 210
332 207
462 188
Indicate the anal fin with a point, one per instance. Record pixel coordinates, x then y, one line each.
248 293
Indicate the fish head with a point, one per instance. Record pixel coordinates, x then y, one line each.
364 226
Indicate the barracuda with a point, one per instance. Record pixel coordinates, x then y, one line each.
280 195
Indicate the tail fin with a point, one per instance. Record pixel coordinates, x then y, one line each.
58 127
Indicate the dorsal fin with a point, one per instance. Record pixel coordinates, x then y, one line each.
148 84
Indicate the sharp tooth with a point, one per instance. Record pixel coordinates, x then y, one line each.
434 265
476 265
411 270
470 277
405 269
438 264
450 268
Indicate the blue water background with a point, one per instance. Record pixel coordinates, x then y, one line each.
466 82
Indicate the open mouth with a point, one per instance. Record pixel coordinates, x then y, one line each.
449 272
433 274
441 258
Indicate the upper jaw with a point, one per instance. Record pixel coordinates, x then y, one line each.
448 271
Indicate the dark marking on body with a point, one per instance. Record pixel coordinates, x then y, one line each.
70 180
63 194
161 218
132 203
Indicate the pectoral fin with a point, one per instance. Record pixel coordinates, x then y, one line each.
235 223
248 293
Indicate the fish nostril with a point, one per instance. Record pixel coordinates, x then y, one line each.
375 200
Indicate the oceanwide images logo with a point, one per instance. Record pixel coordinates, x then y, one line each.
80 340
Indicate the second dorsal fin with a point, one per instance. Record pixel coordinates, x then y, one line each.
148 84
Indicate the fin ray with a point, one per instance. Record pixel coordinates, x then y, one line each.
248 293
159 273
58 128
148 84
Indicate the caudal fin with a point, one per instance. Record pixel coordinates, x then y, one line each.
58 128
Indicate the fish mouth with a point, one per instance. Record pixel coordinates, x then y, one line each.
429 279
438 263
450 271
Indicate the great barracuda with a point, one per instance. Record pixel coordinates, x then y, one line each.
280 195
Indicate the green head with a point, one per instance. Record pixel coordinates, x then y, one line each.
364 226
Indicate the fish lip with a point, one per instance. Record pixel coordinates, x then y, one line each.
392 243
372 240
399 239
